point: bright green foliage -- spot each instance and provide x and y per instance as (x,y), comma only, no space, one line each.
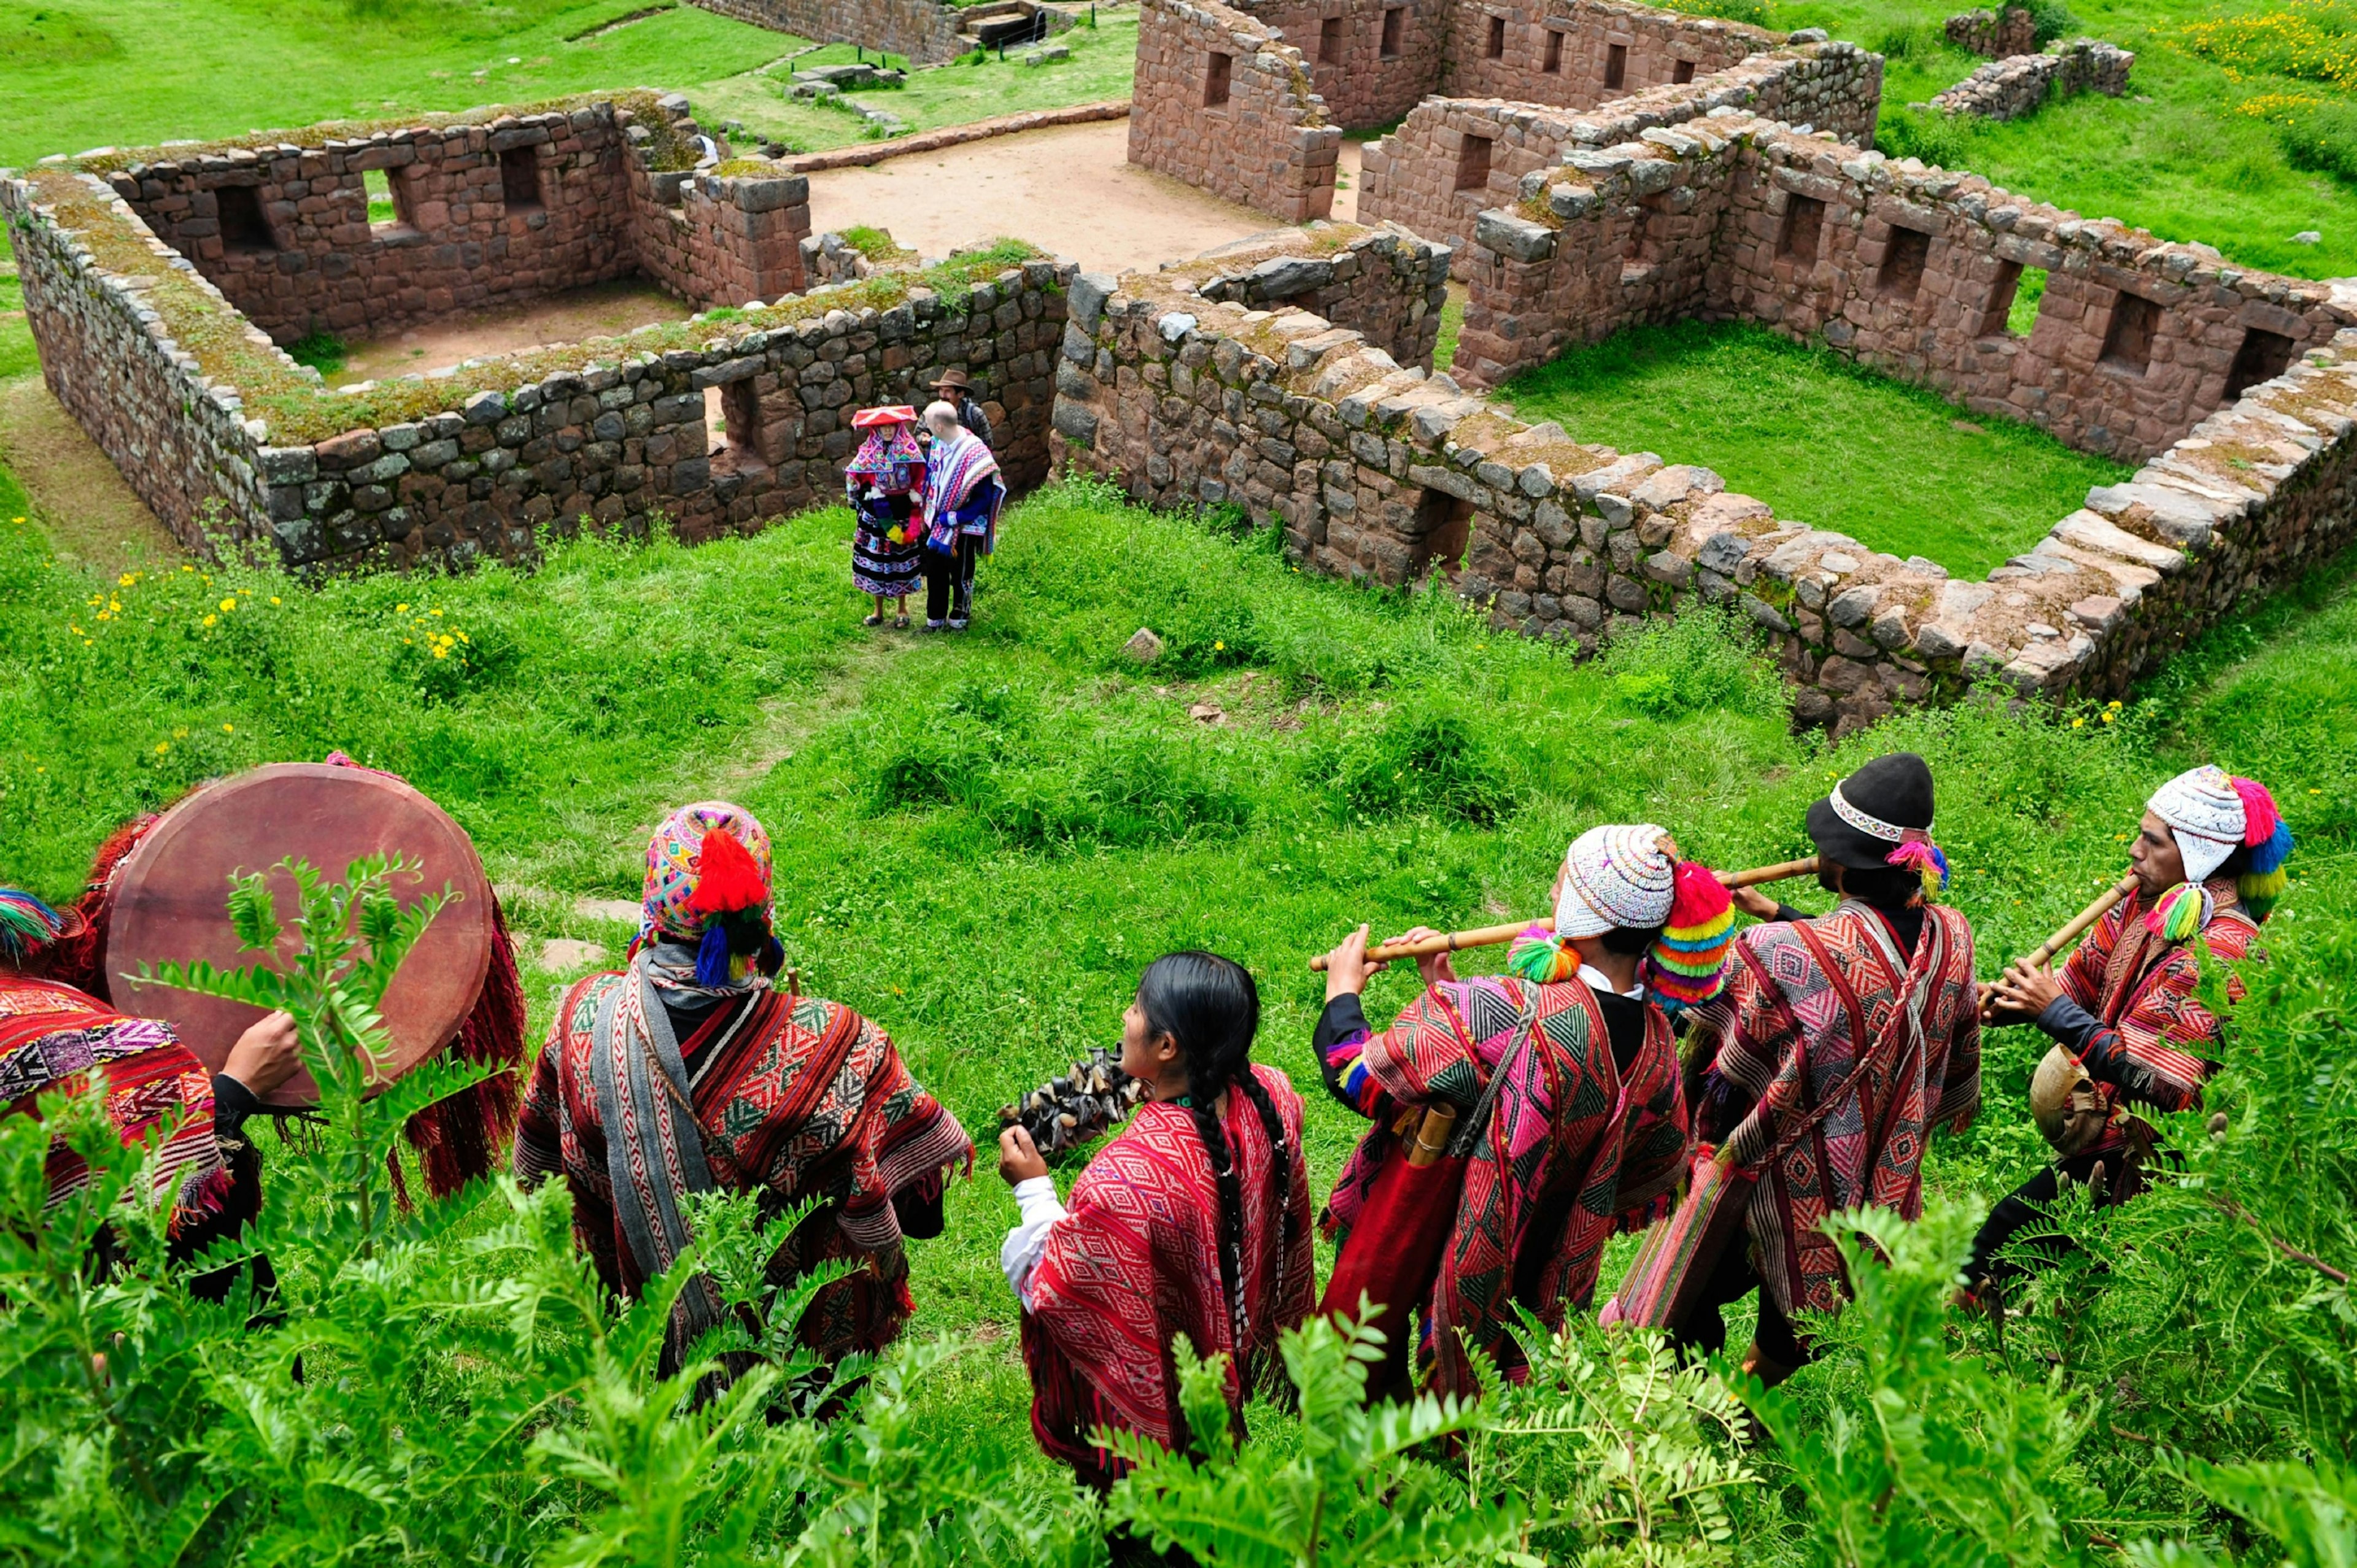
(1349,1489)
(1819,437)
(1920,1455)
(1630,1458)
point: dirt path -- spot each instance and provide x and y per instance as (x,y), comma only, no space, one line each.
(81,501)
(599,311)
(1070,190)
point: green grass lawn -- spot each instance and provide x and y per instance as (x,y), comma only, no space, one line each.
(1819,439)
(1102,62)
(2174,155)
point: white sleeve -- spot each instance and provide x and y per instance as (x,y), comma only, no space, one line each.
(1019,1253)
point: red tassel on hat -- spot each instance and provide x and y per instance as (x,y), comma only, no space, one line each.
(728,877)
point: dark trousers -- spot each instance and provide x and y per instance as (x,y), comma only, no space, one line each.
(949,580)
(1703,1333)
(2023,1210)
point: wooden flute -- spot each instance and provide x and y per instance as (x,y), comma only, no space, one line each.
(1489,936)
(2077,926)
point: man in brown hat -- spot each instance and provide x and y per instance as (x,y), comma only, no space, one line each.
(952,386)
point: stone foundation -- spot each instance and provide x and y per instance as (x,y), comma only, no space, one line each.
(1220,103)
(1984,32)
(1386,472)
(924,30)
(1424,174)
(1907,268)
(2022,84)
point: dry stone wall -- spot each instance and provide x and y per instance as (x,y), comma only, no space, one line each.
(1424,175)
(2022,84)
(722,240)
(1911,269)
(1383,283)
(1224,104)
(924,30)
(1996,37)
(1586,52)
(1370,61)
(1389,473)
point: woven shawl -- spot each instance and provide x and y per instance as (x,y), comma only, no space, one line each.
(1566,1123)
(1784,1034)
(1135,1262)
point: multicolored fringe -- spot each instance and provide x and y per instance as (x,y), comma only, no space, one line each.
(1687,965)
(2268,842)
(27,926)
(1538,957)
(2179,914)
(1923,857)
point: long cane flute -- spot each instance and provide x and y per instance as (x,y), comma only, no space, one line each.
(2102,905)
(1491,936)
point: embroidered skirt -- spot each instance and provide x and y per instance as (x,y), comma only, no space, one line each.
(878,566)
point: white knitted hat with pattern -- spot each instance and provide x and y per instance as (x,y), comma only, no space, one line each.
(1618,875)
(2205,814)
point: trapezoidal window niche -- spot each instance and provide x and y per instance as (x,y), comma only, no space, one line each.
(1394,25)
(519,181)
(2262,357)
(1904,256)
(1329,41)
(244,230)
(1802,229)
(1216,74)
(1496,48)
(1553,65)
(2128,339)
(1616,66)
(1473,164)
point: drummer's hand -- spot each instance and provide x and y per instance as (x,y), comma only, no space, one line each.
(1752,902)
(1348,969)
(1435,967)
(266,1055)
(1019,1157)
(2025,991)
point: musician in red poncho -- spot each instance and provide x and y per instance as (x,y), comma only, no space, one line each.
(1194,1220)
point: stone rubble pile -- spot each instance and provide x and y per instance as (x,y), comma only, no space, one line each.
(2017,85)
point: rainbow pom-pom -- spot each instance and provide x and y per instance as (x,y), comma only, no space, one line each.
(2267,844)
(27,926)
(2180,913)
(1688,962)
(1536,956)
(1923,857)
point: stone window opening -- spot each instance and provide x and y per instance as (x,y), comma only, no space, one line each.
(1616,65)
(1444,527)
(1999,312)
(244,230)
(2262,357)
(1804,223)
(1903,259)
(388,202)
(1215,80)
(1473,162)
(520,180)
(1497,48)
(2127,339)
(1329,41)
(732,417)
(1642,251)
(1682,72)
(1554,66)
(1393,20)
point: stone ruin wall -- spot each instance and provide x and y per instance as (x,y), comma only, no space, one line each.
(1380,281)
(924,30)
(1361,84)
(1650,47)
(621,436)
(1265,143)
(2019,85)
(598,212)
(618,440)
(1907,268)
(1417,175)
(1986,33)
(1382,471)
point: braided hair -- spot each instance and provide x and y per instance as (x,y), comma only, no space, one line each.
(1211,1008)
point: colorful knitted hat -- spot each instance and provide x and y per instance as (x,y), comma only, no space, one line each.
(890,414)
(28,924)
(1615,875)
(704,862)
(2212,814)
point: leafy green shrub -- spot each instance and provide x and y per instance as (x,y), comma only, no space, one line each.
(1908,41)
(1936,138)
(1697,660)
(2049,19)
(1427,756)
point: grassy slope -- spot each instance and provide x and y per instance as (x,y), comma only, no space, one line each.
(984,838)
(1103,61)
(1818,438)
(2183,163)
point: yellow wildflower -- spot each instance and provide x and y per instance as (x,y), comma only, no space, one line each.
(440,652)
(212,620)
(162,746)
(274,599)
(229,729)
(229,604)
(400,609)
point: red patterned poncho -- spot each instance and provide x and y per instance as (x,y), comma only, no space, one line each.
(2154,1036)
(1785,1033)
(1576,1149)
(805,1099)
(53,1037)
(1135,1262)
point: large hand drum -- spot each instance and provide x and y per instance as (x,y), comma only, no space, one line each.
(172,902)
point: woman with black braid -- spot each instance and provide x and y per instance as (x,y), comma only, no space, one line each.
(1193,1221)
